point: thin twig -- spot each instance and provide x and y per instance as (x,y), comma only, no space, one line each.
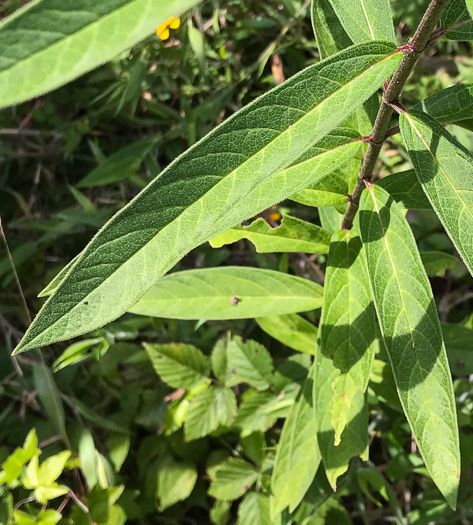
(393,89)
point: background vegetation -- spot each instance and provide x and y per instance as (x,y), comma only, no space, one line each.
(130,443)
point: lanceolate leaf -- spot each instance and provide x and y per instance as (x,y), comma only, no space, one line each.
(297,454)
(348,324)
(238,170)
(354,440)
(231,292)
(331,37)
(365,20)
(293,235)
(453,105)
(412,335)
(330,191)
(62,39)
(445,171)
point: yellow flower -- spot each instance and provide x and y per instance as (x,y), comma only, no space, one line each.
(171,23)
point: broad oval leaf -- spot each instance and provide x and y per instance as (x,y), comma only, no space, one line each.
(50,42)
(230,292)
(348,325)
(365,20)
(232,479)
(238,170)
(445,170)
(411,331)
(293,235)
(297,453)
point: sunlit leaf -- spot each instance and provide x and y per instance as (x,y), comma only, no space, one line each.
(195,199)
(411,331)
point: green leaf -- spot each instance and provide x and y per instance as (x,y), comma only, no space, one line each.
(404,188)
(62,40)
(51,399)
(297,453)
(453,105)
(250,363)
(293,235)
(220,512)
(211,408)
(88,458)
(354,440)
(195,199)
(120,165)
(232,479)
(254,510)
(330,191)
(292,330)
(230,292)
(365,20)
(176,480)
(348,325)
(329,32)
(445,170)
(469,5)
(455,12)
(81,351)
(412,335)
(459,344)
(435,263)
(179,365)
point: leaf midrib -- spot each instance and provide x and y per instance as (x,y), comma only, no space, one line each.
(177,258)
(427,400)
(68,37)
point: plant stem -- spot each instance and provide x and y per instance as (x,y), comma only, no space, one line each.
(393,89)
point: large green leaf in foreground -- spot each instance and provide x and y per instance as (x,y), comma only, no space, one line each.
(231,292)
(50,42)
(238,170)
(412,335)
(445,170)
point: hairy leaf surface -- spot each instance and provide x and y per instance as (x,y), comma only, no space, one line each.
(50,42)
(411,331)
(229,292)
(293,235)
(445,170)
(238,170)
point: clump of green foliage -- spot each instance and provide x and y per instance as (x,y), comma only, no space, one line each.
(311,363)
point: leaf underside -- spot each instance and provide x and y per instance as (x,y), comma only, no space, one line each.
(241,168)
